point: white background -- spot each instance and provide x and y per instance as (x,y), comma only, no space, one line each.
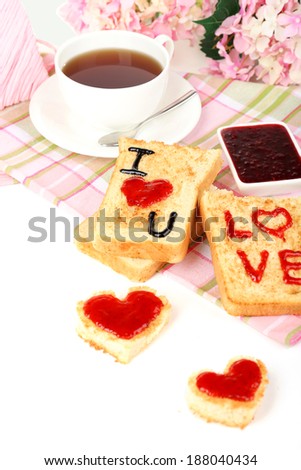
(60,398)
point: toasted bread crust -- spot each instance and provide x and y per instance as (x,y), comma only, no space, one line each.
(137,270)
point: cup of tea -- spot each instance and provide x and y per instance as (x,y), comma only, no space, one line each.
(113,78)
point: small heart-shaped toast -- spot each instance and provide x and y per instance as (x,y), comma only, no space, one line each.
(122,327)
(230,398)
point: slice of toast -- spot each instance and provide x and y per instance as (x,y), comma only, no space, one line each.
(230,398)
(137,270)
(256,251)
(147,210)
(116,327)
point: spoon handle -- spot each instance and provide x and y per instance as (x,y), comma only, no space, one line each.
(111,139)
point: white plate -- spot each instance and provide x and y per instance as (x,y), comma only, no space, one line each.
(55,121)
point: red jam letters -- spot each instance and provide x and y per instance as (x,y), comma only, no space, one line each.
(287,266)
(232,232)
(255,274)
(279,231)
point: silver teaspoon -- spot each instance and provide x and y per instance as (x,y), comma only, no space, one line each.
(111,139)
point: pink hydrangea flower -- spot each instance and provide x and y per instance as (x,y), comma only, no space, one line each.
(208,7)
(262,41)
(291,22)
(73,14)
(151,17)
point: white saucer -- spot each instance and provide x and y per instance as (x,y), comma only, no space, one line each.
(55,121)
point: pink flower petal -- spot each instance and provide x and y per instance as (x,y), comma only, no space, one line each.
(241,44)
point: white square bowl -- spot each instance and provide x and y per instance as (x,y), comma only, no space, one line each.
(265,188)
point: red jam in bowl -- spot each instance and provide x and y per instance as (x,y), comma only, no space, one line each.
(262,153)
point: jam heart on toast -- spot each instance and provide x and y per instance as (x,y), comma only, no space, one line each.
(240,382)
(280,229)
(124,318)
(230,398)
(139,192)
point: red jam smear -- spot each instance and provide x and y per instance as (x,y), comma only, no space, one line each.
(232,232)
(262,153)
(124,318)
(239,383)
(139,192)
(287,266)
(255,274)
(279,231)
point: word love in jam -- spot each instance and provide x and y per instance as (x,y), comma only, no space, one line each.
(288,258)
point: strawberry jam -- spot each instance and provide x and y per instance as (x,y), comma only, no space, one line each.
(262,153)
(239,383)
(278,231)
(232,232)
(255,274)
(139,192)
(124,318)
(289,262)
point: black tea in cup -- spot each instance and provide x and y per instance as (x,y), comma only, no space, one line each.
(112,68)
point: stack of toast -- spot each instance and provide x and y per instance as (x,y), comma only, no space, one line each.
(149,209)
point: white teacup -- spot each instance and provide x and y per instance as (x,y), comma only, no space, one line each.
(116,108)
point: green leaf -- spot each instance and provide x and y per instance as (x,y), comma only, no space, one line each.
(223,10)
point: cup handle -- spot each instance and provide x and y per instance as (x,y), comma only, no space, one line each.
(166,42)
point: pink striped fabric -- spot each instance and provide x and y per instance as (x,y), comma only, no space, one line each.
(21,66)
(78,182)
(6,180)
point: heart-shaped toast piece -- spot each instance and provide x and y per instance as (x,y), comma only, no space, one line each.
(230,398)
(122,327)
(139,192)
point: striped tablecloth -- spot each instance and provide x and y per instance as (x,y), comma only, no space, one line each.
(78,182)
